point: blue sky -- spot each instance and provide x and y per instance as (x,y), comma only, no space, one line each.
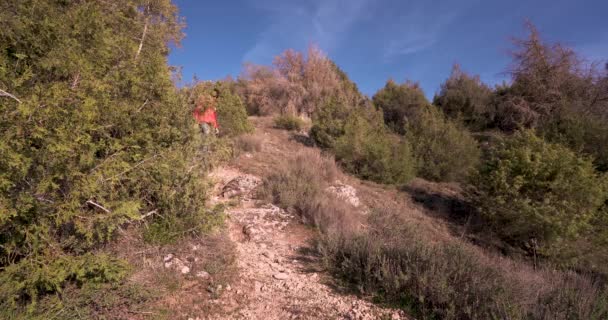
(374,40)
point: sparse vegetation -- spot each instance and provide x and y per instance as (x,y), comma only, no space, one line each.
(395,263)
(301,185)
(249,143)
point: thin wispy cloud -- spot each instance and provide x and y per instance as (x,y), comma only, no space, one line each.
(420,27)
(296,24)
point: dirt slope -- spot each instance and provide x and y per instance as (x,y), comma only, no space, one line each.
(278,277)
(263,266)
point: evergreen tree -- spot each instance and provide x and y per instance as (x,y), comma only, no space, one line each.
(93,135)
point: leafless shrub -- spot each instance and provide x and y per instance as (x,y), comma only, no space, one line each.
(295,85)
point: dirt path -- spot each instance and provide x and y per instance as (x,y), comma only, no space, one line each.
(278,275)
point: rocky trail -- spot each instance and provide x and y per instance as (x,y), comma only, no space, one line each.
(277,278)
(275,273)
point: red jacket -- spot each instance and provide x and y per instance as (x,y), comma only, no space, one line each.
(209,116)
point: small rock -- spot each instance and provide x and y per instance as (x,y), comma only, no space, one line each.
(228,287)
(168,265)
(269,255)
(168,258)
(202,274)
(281,276)
(185,270)
(258,286)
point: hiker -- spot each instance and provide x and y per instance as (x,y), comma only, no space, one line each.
(207,119)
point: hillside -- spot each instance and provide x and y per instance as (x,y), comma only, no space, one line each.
(286,192)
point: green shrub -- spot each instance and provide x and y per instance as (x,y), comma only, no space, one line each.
(400,103)
(392,262)
(584,134)
(465,98)
(32,277)
(231,114)
(328,122)
(532,191)
(97,138)
(287,122)
(368,151)
(444,151)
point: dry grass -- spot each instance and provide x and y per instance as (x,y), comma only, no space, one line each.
(300,185)
(406,256)
(394,262)
(248,143)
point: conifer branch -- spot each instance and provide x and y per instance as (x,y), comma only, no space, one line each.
(6,94)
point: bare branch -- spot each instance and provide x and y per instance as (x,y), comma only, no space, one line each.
(6,94)
(149,214)
(143,37)
(98,206)
(75,82)
(143,105)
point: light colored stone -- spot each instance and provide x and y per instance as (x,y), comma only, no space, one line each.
(168,257)
(185,270)
(257,286)
(281,276)
(203,274)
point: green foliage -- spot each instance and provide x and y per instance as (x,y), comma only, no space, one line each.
(99,138)
(466,99)
(368,151)
(394,263)
(32,277)
(584,134)
(170,229)
(400,103)
(531,191)
(288,122)
(328,123)
(89,301)
(444,151)
(231,114)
